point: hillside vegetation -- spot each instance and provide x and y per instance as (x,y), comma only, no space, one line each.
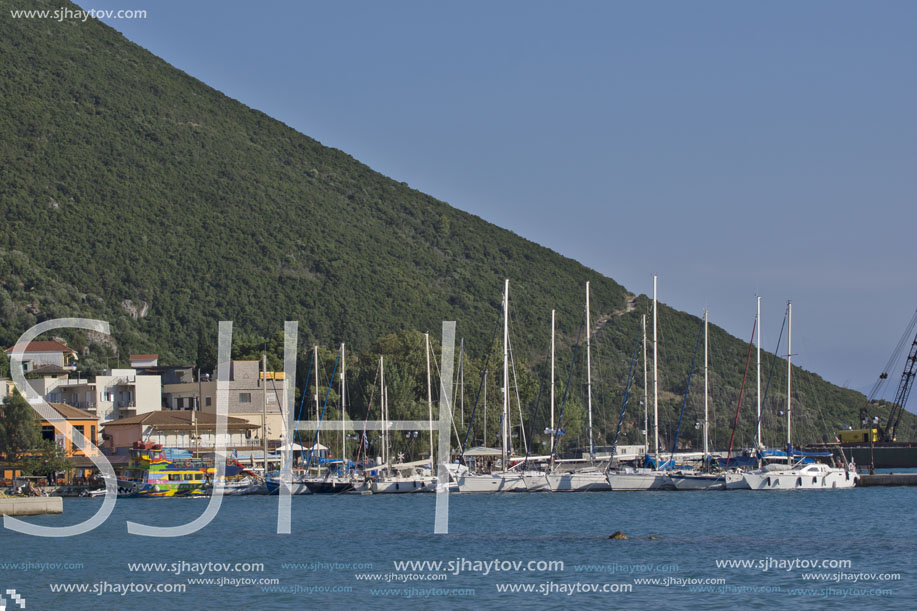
(134,193)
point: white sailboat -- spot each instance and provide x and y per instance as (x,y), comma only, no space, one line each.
(799,475)
(402,478)
(631,478)
(536,480)
(490,482)
(588,479)
(693,480)
(504,480)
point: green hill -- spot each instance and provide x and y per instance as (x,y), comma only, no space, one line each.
(134,193)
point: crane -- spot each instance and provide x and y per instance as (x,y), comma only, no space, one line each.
(896,408)
(904,390)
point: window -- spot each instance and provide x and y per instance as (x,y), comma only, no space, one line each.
(92,434)
(245,397)
(80,429)
(47,432)
(207,401)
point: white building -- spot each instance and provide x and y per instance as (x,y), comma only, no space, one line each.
(119,393)
(40,353)
(139,361)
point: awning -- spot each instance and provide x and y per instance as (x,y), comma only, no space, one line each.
(295,447)
(482,451)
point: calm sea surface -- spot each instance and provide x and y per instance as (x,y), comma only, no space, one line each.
(344,549)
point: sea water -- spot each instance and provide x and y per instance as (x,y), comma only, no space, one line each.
(684,550)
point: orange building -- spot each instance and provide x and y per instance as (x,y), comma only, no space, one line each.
(75,420)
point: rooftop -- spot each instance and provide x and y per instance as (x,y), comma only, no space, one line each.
(180,420)
(42,346)
(71,413)
(48,370)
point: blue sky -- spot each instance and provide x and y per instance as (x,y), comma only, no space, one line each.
(732,148)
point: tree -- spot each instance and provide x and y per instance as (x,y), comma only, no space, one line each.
(19,431)
(206,353)
(46,459)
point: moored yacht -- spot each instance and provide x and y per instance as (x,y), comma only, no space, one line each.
(801,475)
(813,476)
(639,478)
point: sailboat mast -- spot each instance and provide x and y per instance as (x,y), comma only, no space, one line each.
(758,342)
(655,376)
(317,416)
(429,397)
(706,414)
(382,409)
(789,373)
(646,401)
(589,376)
(505,430)
(553,433)
(343,414)
(264,408)
(485,408)
(462,380)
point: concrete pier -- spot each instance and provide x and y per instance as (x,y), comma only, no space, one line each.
(31,506)
(888,479)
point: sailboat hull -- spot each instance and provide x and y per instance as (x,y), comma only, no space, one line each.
(403,485)
(492,482)
(635,481)
(329,486)
(736,481)
(536,481)
(297,486)
(578,481)
(698,481)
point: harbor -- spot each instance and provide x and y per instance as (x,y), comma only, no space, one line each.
(457,306)
(366,455)
(347,562)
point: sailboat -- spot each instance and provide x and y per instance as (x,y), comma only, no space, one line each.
(586,479)
(692,480)
(406,478)
(298,478)
(645,478)
(504,480)
(799,475)
(536,480)
(332,482)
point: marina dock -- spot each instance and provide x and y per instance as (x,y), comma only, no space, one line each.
(31,506)
(888,479)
